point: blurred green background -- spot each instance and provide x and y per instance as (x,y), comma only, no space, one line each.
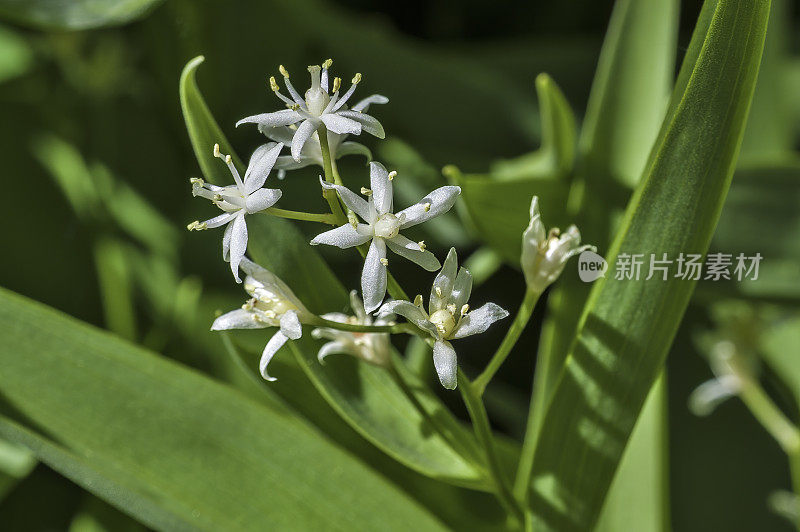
(94,114)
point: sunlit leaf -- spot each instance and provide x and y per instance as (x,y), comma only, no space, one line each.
(75,14)
(627,327)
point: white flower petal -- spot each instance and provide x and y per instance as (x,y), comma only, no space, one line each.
(341,125)
(275,343)
(358,307)
(222,219)
(357,204)
(332,348)
(368,123)
(381,187)
(353,148)
(409,311)
(237,319)
(343,237)
(364,104)
(284,117)
(290,325)
(238,244)
(305,130)
(462,288)
(373,277)
(226,243)
(445,362)
(261,199)
(479,320)
(411,250)
(282,134)
(437,202)
(287,162)
(260,165)
(443,283)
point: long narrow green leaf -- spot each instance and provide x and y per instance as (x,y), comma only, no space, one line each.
(169,446)
(628,326)
(365,396)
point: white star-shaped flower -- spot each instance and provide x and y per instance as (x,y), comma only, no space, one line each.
(370,347)
(545,255)
(448,316)
(245,197)
(311,153)
(383,227)
(272,304)
(319,107)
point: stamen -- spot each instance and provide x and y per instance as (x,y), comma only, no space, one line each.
(438,291)
(392,175)
(227,159)
(216,151)
(426,206)
(197,226)
(273,84)
(337,84)
(418,300)
(385,261)
(451,308)
(366,191)
(464,310)
(351,217)
(357,78)
(196,181)
(283,71)
(421,245)
(327,63)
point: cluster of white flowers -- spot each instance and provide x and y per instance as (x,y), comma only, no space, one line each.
(324,111)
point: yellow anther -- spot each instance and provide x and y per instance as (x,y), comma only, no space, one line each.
(294,107)
(357,78)
(426,206)
(283,71)
(421,245)
(273,84)
(196,181)
(392,175)
(337,84)
(438,291)
(216,150)
(418,300)
(227,159)
(464,310)
(385,261)
(351,217)
(216,197)
(327,63)
(366,191)
(451,308)
(196,226)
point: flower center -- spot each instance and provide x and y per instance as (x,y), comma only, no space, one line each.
(387,226)
(316,97)
(444,321)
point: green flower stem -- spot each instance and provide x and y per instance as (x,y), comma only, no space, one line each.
(329,219)
(770,416)
(520,321)
(330,195)
(397,328)
(483,431)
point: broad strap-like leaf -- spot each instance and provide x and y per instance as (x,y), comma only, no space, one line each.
(627,327)
(171,447)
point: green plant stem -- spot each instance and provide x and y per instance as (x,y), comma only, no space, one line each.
(483,432)
(329,219)
(330,195)
(398,328)
(520,321)
(770,416)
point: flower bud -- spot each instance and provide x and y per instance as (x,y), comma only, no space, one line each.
(544,255)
